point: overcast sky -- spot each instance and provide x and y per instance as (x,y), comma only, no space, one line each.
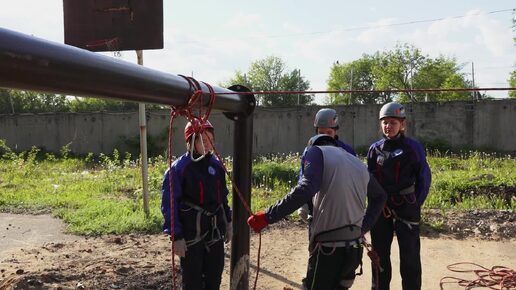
(213,39)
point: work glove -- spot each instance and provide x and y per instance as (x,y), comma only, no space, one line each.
(229,232)
(303,213)
(258,221)
(180,248)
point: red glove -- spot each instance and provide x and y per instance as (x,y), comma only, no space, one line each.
(257,221)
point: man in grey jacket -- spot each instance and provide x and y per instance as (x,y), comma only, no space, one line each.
(337,183)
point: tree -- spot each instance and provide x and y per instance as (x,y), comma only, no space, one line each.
(356,75)
(403,68)
(79,104)
(512,83)
(441,73)
(14,101)
(271,74)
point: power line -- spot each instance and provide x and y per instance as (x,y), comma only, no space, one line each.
(368,91)
(391,25)
(365,27)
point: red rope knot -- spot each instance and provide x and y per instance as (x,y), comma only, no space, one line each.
(196,100)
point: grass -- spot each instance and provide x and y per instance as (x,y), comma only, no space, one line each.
(102,195)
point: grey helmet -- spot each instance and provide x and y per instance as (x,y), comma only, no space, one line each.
(393,110)
(326,118)
(322,140)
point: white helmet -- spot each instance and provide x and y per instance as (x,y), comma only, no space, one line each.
(393,110)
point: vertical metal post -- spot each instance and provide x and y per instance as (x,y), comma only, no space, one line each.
(143,147)
(242,170)
(473,80)
(298,84)
(351,87)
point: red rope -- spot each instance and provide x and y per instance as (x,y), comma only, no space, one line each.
(197,121)
(367,91)
(498,277)
(241,197)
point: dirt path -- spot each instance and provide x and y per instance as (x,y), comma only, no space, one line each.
(21,230)
(143,261)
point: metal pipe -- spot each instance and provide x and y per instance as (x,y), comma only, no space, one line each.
(31,63)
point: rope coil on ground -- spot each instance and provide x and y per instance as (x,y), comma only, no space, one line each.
(497,277)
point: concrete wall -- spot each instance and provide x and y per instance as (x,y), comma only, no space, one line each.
(482,125)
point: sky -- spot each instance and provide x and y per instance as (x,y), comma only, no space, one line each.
(211,40)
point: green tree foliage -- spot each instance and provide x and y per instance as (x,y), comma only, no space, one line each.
(356,75)
(403,68)
(271,74)
(14,101)
(512,83)
(93,104)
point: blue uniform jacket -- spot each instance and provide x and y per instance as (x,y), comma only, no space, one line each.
(398,164)
(201,183)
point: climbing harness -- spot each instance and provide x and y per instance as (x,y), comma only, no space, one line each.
(213,231)
(388,212)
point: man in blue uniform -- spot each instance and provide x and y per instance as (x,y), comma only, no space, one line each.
(202,217)
(337,183)
(326,122)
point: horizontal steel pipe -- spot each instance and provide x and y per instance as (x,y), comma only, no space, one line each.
(31,63)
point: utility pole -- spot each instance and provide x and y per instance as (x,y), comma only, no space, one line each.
(11,101)
(351,87)
(143,147)
(298,84)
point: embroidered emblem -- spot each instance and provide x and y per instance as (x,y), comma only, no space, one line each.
(211,170)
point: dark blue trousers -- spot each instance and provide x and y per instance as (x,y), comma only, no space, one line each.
(408,241)
(329,266)
(202,267)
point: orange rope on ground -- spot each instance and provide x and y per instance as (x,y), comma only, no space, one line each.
(498,277)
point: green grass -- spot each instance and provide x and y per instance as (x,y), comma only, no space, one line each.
(102,195)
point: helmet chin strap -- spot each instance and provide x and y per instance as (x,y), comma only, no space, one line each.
(393,138)
(192,146)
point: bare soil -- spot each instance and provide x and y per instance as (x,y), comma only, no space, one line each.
(36,254)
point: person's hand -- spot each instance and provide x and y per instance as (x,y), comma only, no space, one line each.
(180,248)
(229,232)
(303,213)
(258,221)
